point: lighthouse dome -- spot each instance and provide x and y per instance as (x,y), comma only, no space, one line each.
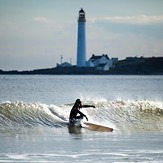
(81,11)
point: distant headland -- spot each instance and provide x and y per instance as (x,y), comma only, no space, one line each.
(128,66)
(98,64)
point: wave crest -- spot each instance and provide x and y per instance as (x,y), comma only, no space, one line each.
(27,114)
(124,116)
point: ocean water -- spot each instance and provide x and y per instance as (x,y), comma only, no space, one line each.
(34,113)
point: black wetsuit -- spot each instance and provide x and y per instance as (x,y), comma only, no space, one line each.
(75,111)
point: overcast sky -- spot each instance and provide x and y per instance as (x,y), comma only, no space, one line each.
(35,33)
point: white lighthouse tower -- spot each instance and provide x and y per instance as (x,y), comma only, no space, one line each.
(81,45)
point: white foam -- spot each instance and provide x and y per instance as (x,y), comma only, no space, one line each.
(17,156)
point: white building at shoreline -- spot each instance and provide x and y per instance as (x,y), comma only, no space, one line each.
(101,62)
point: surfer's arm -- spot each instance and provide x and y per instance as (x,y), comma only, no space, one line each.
(88,106)
(83,115)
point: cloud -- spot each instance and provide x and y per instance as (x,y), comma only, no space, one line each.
(43,20)
(139,20)
(148,26)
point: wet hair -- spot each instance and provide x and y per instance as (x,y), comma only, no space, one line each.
(78,101)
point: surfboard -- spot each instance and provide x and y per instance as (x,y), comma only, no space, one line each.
(96,127)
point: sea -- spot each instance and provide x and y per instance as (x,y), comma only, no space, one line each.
(34,112)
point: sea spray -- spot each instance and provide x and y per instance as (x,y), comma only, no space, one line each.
(125,116)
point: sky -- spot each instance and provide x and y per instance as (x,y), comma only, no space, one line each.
(34,34)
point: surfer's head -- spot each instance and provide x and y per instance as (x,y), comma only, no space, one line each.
(78,102)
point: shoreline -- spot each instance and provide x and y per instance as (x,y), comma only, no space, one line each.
(140,66)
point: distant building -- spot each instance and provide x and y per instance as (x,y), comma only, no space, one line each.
(101,62)
(64,64)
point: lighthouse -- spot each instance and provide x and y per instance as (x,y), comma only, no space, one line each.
(81,43)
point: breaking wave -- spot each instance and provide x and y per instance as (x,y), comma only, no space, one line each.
(121,115)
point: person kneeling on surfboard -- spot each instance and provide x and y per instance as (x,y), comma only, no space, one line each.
(76,110)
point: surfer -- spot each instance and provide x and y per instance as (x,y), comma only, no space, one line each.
(76,110)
